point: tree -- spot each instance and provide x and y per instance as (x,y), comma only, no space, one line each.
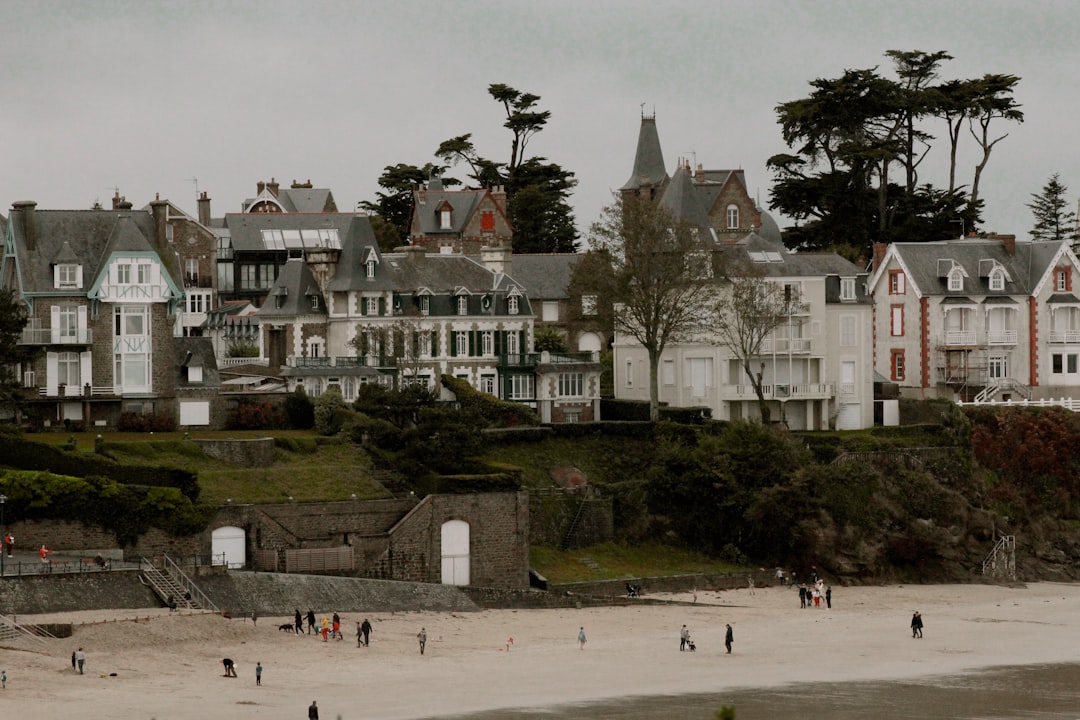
(850,132)
(1052,220)
(537,191)
(748,309)
(14,356)
(393,208)
(658,278)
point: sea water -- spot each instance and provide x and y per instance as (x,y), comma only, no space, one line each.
(1043,692)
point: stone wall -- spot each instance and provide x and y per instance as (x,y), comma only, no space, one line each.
(552,512)
(256,452)
(87,591)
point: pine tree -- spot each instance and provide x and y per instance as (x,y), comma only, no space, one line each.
(1052,221)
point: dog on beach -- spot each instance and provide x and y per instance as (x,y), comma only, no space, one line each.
(286,627)
(690,645)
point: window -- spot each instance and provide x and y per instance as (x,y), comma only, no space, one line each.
(425,304)
(194,374)
(897,364)
(792,292)
(521,387)
(195,303)
(487,384)
(68,369)
(369,269)
(247,277)
(142,272)
(487,340)
(267,274)
(550,311)
(571,385)
(732,216)
(371,306)
(314,301)
(123,274)
(191,271)
(462,305)
(67,276)
(667,372)
(699,374)
(847,288)
(69,324)
(513,347)
(997,280)
(512,305)
(461,343)
(847,331)
(896,282)
(896,320)
(1062,280)
(588,305)
(629,373)
(132,343)
(444,219)
(956,280)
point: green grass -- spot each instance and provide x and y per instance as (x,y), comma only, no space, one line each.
(619,561)
(602,459)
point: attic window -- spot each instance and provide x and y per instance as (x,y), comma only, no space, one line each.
(462,305)
(847,288)
(68,276)
(314,302)
(194,374)
(487,222)
(732,216)
(370,269)
(425,305)
(956,279)
(512,305)
(445,212)
(997,279)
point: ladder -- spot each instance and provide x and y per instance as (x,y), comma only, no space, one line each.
(1001,562)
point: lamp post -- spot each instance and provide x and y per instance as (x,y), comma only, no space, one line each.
(3,529)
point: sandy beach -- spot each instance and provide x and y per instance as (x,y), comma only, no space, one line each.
(168,666)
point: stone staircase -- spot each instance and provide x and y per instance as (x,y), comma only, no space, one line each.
(13,631)
(172,585)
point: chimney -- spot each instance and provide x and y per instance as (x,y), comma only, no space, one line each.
(272,186)
(879,254)
(414,254)
(1009,243)
(26,208)
(123,204)
(496,259)
(116,200)
(204,209)
(160,210)
(259,187)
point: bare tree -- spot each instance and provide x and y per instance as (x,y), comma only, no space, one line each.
(657,277)
(748,309)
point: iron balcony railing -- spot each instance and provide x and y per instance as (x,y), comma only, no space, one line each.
(56,336)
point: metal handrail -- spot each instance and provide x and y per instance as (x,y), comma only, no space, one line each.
(187,583)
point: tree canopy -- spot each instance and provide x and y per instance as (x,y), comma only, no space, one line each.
(857,142)
(1053,221)
(393,208)
(13,319)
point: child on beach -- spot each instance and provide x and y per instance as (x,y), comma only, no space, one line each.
(581,639)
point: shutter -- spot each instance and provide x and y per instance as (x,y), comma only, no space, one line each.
(521,342)
(472,344)
(382,306)
(56,276)
(416,344)
(81,332)
(399,343)
(436,351)
(55,325)
(499,342)
(363,305)
(453,344)
(85,375)
(52,370)
(78,275)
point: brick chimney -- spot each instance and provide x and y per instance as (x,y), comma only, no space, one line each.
(879,254)
(496,259)
(1009,243)
(204,209)
(26,209)
(259,187)
(272,186)
(160,210)
(116,200)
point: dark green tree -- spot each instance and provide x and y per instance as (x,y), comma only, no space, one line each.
(1053,219)
(537,191)
(392,208)
(14,356)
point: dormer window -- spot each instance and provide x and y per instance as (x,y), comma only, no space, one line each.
(462,305)
(732,216)
(847,288)
(68,276)
(314,302)
(956,280)
(997,279)
(194,374)
(369,269)
(445,213)
(512,305)
(425,305)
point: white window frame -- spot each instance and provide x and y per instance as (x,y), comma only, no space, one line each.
(68,369)
(371,306)
(847,288)
(461,342)
(445,219)
(997,279)
(667,372)
(956,280)
(512,305)
(67,276)
(370,269)
(425,305)
(732,216)
(571,385)
(487,384)
(462,305)
(487,343)
(1062,281)
(522,387)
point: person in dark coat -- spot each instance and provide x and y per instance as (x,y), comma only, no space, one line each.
(802,596)
(311,622)
(828,597)
(729,637)
(916,625)
(365,628)
(313,711)
(298,619)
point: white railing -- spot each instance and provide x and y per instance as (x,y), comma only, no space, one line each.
(1065,403)
(960,337)
(1069,337)
(1002,337)
(54,336)
(785,345)
(234,361)
(780,391)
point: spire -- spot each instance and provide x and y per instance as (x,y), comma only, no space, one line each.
(649,160)
(680,198)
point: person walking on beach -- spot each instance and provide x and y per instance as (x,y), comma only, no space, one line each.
(422,637)
(684,635)
(311,622)
(581,639)
(729,637)
(230,667)
(325,628)
(254,617)
(80,659)
(73,666)
(916,625)
(828,597)
(802,596)
(3,679)
(337,626)
(313,711)
(299,620)
(365,628)
(258,673)
(816,594)
(780,576)
(750,584)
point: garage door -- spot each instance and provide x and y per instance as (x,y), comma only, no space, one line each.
(455,552)
(229,546)
(195,413)
(849,417)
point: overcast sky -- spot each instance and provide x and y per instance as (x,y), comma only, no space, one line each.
(147,96)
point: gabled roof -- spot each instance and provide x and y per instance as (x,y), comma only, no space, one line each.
(427,203)
(681,200)
(196,352)
(246,229)
(1025,269)
(295,285)
(90,236)
(295,200)
(649,159)
(774,260)
(545,276)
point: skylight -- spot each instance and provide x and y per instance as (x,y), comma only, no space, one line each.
(307,238)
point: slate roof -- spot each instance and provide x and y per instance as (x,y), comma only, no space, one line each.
(545,276)
(299,200)
(295,284)
(682,201)
(1024,269)
(245,229)
(442,273)
(427,203)
(196,352)
(86,237)
(649,166)
(803,264)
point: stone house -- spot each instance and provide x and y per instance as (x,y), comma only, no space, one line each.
(458,221)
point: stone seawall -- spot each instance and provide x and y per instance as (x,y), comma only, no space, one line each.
(118,589)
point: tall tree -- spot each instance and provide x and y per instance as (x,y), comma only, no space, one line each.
(537,191)
(658,279)
(394,206)
(14,356)
(991,100)
(748,309)
(1053,221)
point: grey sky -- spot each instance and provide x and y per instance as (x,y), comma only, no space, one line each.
(145,96)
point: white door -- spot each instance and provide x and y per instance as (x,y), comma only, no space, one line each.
(848,418)
(228,546)
(455,552)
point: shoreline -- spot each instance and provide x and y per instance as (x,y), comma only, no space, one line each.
(169,667)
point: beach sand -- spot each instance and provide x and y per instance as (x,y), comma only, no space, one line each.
(168,665)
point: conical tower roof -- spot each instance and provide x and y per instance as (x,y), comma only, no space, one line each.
(649,160)
(681,199)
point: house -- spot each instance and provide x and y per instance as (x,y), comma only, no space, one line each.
(815,369)
(297,198)
(978,319)
(458,221)
(104,289)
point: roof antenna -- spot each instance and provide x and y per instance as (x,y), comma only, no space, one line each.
(196,181)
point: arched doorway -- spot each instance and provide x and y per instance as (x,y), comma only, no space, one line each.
(455,552)
(229,546)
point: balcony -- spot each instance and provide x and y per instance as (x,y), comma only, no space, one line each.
(780,391)
(783,346)
(50,336)
(1065,337)
(960,338)
(1001,337)
(534,359)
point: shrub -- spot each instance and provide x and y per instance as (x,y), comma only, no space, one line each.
(256,415)
(331,412)
(241,349)
(145,422)
(299,410)
(500,413)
